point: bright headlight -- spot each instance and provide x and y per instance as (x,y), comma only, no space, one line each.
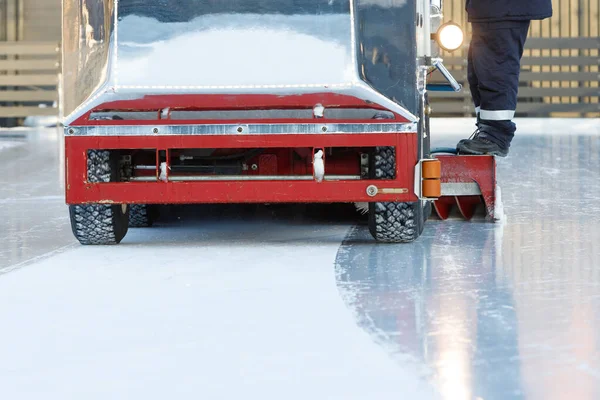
(450,36)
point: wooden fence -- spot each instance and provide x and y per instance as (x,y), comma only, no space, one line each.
(29,79)
(552,83)
(560,64)
(559,78)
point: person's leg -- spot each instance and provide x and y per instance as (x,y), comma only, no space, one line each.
(496,58)
(472,78)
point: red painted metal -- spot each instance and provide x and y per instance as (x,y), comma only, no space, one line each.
(443,206)
(468,169)
(150,142)
(228,102)
(467,205)
(80,191)
(267,164)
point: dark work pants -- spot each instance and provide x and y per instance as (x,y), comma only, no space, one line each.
(493,72)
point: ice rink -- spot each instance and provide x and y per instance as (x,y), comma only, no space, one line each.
(257,302)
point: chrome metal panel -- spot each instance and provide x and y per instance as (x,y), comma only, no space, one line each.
(344,114)
(232,129)
(439,64)
(124,50)
(386,36)
(460,189)
(234,43)
(87,42)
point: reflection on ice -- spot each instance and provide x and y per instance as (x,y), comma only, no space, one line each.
(33,215)
(430,299)
(497,311)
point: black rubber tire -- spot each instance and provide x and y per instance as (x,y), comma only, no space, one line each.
(392,222)
(141,216)
(100,224)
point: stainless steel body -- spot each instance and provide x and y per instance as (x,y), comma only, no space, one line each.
(236,129)
(126,49)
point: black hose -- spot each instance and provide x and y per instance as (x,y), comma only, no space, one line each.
(248,155)
(447,150)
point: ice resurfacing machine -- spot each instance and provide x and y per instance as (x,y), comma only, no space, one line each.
(258,101)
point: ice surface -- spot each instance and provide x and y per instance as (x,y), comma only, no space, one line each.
(498,311)
(9,145)
(221,311)
(444,127)
(230,305)
(33,217)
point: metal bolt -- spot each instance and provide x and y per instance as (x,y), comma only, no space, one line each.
(254,167)
(372,191)
(155,130)
(324,129)
(364,156)
(240,129)
(71,131)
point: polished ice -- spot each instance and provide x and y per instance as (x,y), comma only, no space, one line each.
(498,311)
(211,307)
(33,217)
(225,302)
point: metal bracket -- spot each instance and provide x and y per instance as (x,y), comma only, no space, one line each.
(439,64)
(373,190)
(364,165)
(419,180)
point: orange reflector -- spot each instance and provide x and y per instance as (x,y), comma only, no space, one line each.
(431,169)
(432,188)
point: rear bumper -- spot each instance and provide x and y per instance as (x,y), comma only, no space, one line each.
(80,191)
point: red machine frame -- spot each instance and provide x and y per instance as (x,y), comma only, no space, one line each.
(80,191)
(477,171)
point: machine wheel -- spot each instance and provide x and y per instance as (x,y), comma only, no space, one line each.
(100,224)
(141,216)
(393,222)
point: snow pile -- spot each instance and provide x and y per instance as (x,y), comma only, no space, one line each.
(319,166)
(233,50)
(499,215)
(163,171)
(9,145)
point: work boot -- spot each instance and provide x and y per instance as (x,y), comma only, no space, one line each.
(482,143)
(481,146)
(474,134)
